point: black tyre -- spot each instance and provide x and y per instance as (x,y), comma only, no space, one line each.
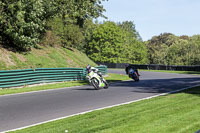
(136,77)
(95,83)
(106,84)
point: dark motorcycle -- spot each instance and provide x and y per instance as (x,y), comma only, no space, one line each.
(134,75)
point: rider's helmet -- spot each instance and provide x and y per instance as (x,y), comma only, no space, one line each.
(88,68)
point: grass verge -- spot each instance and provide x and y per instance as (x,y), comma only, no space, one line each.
(167,71)
(178,113)
(179,72)
(110,78)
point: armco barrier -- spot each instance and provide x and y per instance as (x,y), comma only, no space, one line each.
(14,78)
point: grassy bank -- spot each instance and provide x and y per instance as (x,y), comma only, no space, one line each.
(110,78)
(177,113)
(43,57)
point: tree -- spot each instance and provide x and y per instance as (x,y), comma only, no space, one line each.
(169,49)
(135,53)
(77,12)
(177,53)
(135,50)
(106,43)
(129,26)
(22,22)
(70,35)
(157,47)
(194,49)
(88,29)
(72,19)
(110,42)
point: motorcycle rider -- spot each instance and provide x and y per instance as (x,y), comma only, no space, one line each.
(128,67)
(89,69)
(95,78)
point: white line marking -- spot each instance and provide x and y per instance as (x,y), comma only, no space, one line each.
(162,94)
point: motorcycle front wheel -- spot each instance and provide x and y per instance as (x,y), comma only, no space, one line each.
(95,83)
(106,84)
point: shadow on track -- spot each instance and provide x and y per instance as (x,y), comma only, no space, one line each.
(153,85)
(87,89)
(158,85)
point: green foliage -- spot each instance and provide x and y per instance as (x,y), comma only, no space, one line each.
(129,27)
(72,16)
(184,53)
(22,22)
(70,35)
(88,28)
(135,53)
(134,50)
(176,53)
(157,47)
(50,39)
(79,11)
(106,43)
(169,49)
(73,35)
(116,43)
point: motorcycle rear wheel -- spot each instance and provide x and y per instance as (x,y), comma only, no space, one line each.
(136,77)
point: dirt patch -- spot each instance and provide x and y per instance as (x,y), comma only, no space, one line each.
(5,56)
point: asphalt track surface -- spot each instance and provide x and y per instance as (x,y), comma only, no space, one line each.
(21,110)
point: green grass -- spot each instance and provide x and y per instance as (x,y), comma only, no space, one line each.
(110,78)
(174,113)
(41,87)
(179,72)
(43,57)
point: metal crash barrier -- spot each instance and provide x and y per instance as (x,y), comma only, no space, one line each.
(15,78)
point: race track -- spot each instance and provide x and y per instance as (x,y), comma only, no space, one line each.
(31,108)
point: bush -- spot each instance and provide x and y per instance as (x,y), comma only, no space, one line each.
(50,39)
(22,22)
(70,35)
